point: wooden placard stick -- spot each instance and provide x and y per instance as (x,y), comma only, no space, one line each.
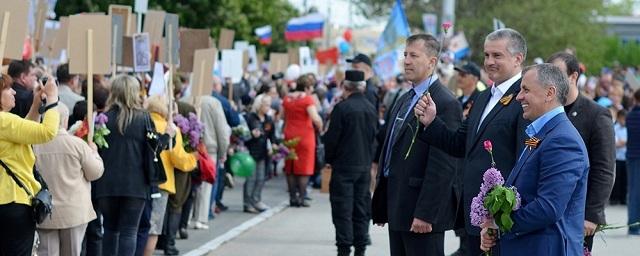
(198,97)
(170,94)
(90,84)
(113,51)
(3,37)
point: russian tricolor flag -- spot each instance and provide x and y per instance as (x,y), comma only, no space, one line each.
(264,34)
(304,28)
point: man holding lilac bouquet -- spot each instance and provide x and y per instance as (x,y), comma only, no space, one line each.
(550,174)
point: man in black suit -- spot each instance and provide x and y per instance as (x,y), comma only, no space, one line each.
(348,143)
(414,192)
(495,116)
(595,126)
(467,80)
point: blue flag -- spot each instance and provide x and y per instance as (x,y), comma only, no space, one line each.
(396,31)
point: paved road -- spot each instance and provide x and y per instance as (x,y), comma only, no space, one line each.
(287,231)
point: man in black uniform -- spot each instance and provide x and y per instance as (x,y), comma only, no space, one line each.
(348,146)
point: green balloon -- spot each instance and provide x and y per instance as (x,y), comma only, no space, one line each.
(242,164)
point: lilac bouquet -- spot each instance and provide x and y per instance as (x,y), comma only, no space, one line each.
(286,150)
(191,129)
(494,201)
(101,131)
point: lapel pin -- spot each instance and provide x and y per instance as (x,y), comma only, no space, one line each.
(574,113)
(506,99)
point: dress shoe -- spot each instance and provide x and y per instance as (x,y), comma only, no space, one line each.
(222,207)
(171,250)
(294,203)
(250,209)
(183,234)
(261,207)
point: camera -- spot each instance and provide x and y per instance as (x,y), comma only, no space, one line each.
(277,76)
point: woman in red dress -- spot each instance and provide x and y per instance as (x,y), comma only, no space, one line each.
(300,117)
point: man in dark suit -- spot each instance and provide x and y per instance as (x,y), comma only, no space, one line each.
(595,126)
(414,192)
(496,116)
(550,175)
(348,143)
(467,80)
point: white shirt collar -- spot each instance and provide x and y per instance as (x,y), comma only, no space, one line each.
(504,86)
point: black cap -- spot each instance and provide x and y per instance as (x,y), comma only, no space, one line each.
(360,58)
(354,76)
(469,68)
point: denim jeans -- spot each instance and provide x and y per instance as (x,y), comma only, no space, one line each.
(121,220)
(633,188)
(252,193)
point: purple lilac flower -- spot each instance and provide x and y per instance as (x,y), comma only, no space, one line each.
(101,119)
(518,203)
(478,213)
(492,177)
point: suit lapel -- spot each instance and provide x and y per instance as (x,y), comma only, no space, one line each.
(576,109)
(512,92)
(540,135)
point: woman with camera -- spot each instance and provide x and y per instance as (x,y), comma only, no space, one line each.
(16,137)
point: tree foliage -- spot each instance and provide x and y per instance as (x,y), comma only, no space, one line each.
(241,16)
(547,25)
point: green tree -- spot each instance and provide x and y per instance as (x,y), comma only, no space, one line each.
(547,25)
(241,16)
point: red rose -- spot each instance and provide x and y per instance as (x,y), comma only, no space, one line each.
(446,26)
(488,146)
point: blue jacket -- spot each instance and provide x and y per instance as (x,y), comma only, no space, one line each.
(551,180)
(633,133)
(233,119)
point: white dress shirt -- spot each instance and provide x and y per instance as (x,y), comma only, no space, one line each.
(496,94)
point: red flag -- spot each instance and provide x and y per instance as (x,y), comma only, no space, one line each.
(26,49)
(327,56)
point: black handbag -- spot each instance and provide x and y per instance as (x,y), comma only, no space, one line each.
(42,202)
(156,142)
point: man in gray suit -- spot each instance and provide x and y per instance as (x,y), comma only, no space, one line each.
(595,125)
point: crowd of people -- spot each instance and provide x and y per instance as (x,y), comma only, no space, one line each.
(421,162)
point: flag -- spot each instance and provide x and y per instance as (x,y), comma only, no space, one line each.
(498,24)
(304,28)
(459,46)
(264,34)
(386,65)
(327,56)
(396,31)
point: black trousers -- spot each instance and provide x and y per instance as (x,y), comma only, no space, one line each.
(405,243)
(92,243)
(619,191)
(350,206)
(17,229)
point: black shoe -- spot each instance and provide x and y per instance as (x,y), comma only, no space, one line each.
(293,203)
(304,203)
(222,207)
(344,250)
(183,234)
(171,250)
(359,252)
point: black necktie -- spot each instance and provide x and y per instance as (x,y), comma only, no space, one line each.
(397,125)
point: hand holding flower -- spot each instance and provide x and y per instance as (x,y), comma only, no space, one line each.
(488,235)
(426,110)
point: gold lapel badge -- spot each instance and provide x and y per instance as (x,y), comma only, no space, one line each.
(506,99)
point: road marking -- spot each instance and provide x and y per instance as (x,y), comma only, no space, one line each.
(235,232)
